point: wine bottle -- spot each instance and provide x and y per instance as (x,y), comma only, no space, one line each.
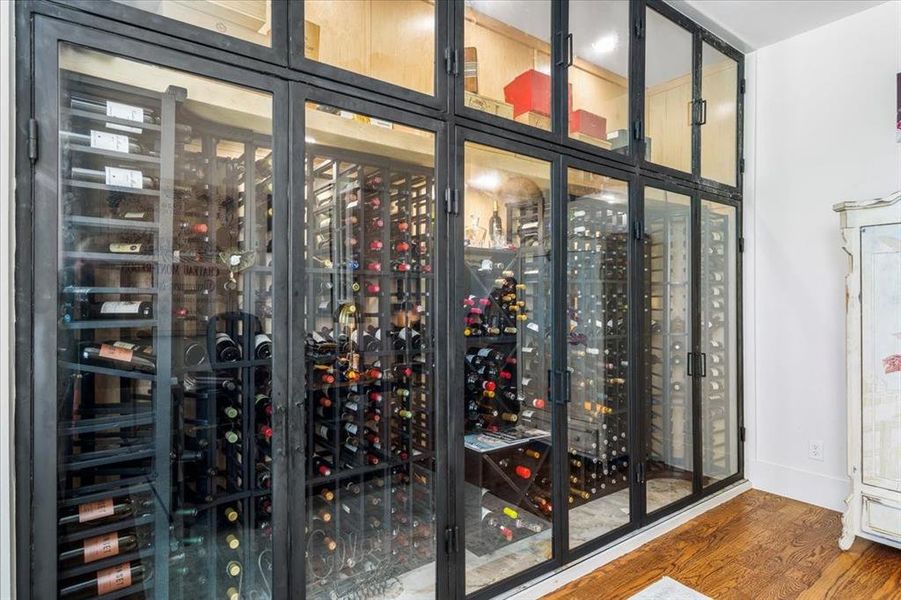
(120,355)
(262,346)
(495,228)
(115,309)
(117,110)
(115,176)
(106,581)
(98,547)
(226,348)
(103,511)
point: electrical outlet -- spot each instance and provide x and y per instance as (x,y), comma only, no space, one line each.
(815,450)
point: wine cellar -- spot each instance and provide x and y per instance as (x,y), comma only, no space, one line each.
(311,326)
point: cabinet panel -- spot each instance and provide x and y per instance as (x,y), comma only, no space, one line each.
(669,311)
(164,371)
(369,319)
(504,319)
(389,40)
(597,269)
(718,367)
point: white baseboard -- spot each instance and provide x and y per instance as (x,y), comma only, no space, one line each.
(813,488)
(557,579)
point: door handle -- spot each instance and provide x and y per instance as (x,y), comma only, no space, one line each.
(569,50)
(691,362)
(703,364)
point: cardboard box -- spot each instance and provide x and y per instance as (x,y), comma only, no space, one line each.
(588,123)
(488,105)
(530,92)
(311,40)
(534,119)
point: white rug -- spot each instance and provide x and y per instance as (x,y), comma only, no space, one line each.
(668,589)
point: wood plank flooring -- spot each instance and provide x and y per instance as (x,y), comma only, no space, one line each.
(757,546)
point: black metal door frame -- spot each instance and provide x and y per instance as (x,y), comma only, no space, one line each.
(44,201)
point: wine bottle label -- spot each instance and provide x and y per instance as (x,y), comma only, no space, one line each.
(102,546)
(113,353)
(109,141)
(533,326)
(114,578)
(91,511)
(131,307)
(129,178)
(127,112)
(134,215)
(125,248)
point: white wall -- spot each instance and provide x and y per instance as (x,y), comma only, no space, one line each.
(820,130)
(6,297)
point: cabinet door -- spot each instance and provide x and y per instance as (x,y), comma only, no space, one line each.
(718,118)
(597,353)
(598,74)
(880,278)
(160,401)
(373,43)
(372,455)
(506,58)
(668,342)
(502,324)
(718,365)
(668,93)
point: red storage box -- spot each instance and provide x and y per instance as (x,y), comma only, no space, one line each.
(588,123)
(530,92)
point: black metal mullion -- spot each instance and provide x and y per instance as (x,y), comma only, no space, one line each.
(639,304)
(695,276)
(559,329)
(696,68)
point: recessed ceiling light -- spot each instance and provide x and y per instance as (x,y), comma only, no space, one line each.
(486,181)
(606,43)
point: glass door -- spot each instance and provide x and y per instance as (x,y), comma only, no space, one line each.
(597,352)
(668,442)
(502,323)
(162,404)
(371,407)
(718,366)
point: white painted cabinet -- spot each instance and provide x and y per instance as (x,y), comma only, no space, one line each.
(871,231)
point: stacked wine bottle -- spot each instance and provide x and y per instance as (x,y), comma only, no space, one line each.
(165,350)
(370,374)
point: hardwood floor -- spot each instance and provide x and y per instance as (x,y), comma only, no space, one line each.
(758,546)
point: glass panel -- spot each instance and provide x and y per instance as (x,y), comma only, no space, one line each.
(507,59)
(668,95)
(164,364)
(505,321)
(880,267)
(668,303)
(719,341)
(370,357)
(597,354)
(599,75)
(719,131)
(391,40)
(248,20)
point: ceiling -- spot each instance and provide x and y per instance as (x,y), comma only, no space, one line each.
(753,24)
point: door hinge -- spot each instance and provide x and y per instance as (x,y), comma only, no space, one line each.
(639,473)
(451,64)
(741,244)
(33,139)
(638,230)
(451,537)
(452,201)
(741,165)
(742,433)
(639,28)
(741,86)
(636,129)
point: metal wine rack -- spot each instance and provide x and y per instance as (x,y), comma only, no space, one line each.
(168,457)
(381,515)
